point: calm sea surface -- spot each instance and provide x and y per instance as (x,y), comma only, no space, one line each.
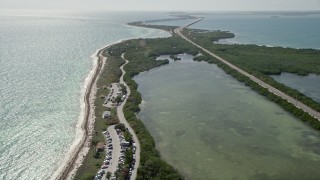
(267,29)
(44,60)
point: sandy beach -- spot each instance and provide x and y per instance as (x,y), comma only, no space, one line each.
(85,126)
(81,145)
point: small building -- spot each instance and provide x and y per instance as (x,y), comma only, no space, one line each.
(106,114)
(100,147)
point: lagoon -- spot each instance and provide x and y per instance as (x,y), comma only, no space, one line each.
(308,85)
(210,126)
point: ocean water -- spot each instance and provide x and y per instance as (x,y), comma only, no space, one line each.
(44,60)
(281,29)
(297,31)
(210,126)
(45,57)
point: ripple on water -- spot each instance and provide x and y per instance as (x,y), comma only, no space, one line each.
(44,62)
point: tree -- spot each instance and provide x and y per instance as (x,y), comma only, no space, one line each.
(118,99)
(97,155)
(108,175)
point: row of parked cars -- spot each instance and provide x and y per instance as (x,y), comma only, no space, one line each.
(125,146)
(108,157)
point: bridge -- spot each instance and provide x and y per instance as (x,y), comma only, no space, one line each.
(169,19)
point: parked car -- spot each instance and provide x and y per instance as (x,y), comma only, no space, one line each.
(104,167)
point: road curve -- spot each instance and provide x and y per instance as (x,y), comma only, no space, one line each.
(123,120)
(272,89)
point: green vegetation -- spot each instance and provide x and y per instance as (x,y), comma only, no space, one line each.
(121,127)
(262,61)
(265,92)
(142,53)
(123,172)
(142,56)
(175,57)
(151,165)
(208,36)
(140,24)
(93,161)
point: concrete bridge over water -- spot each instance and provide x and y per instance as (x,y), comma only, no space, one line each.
(169,19)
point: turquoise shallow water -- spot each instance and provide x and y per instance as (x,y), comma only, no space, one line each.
(291,30)
(286,30)
(209,126)
(44,60)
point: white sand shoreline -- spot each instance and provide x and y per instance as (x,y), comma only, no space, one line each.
(82,140)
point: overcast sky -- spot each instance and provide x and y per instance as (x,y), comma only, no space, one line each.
(166,5)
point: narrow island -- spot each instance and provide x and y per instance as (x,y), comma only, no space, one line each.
(122,61)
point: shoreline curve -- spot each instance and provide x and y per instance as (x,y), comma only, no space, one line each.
(85,126)
(81,143)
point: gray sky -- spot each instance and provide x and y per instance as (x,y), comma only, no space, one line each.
(166,5)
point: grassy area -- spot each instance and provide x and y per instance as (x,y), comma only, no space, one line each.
(110,74)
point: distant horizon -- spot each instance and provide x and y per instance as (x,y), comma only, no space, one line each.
(165,11)
(63,12)
(165,5)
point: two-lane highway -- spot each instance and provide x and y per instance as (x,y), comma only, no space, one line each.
(272,89)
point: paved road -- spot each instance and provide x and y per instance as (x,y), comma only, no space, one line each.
(123,120)
(116,149)
(272,89)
